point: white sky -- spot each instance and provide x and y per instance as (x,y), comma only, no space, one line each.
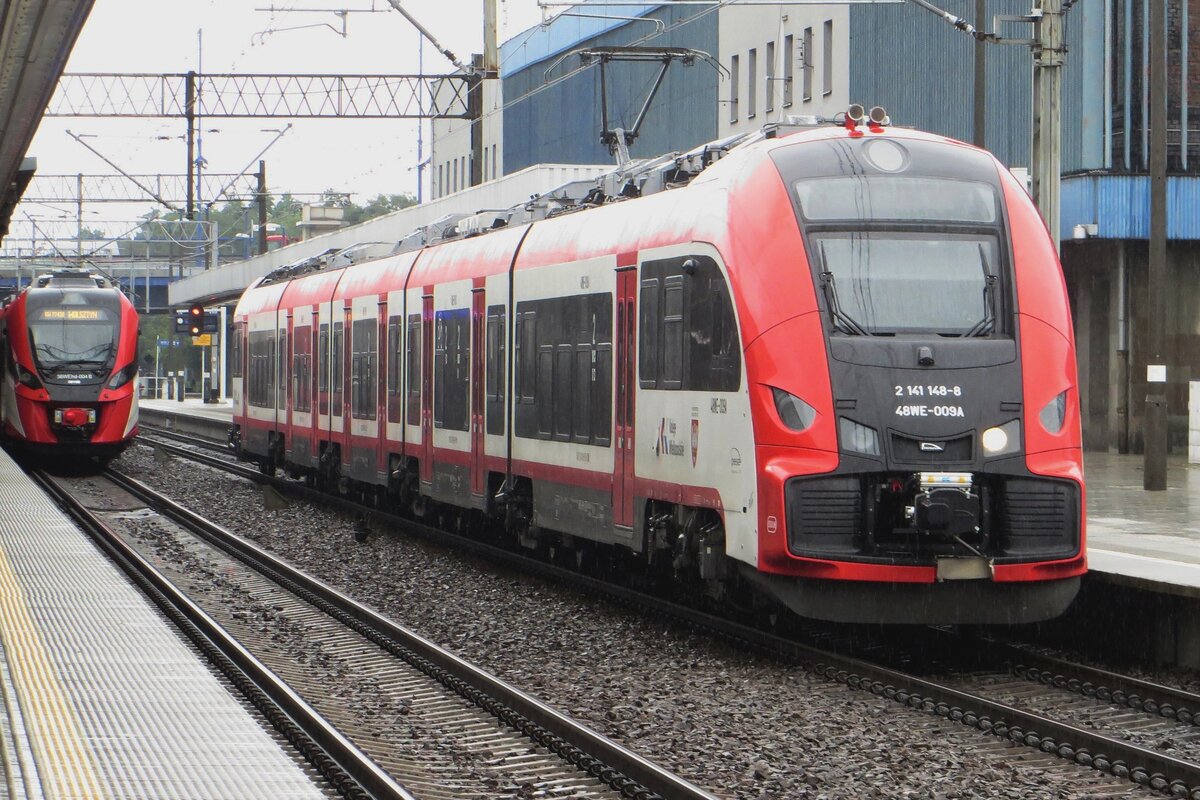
(364,157)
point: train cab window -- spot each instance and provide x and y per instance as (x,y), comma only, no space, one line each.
(413,375)
(395,357)
(494,368)
(336,370)
(302,368)
(364,386)
(451,369)
(693,344)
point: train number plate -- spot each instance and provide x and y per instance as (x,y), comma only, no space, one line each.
(963,569)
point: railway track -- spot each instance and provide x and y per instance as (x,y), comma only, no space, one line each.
(1125,728)
(423,718)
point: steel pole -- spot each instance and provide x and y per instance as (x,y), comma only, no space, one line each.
(1155,473)
(262,208)
(1047,114)
(980,127)
(189,95)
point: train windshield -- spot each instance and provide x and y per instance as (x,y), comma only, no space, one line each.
(882,283)
(72,330)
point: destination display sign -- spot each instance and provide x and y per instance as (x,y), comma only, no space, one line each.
(71,313)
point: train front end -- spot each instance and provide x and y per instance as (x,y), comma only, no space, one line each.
(922,461)
(70,346)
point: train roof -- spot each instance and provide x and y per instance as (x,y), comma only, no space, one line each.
(487,239)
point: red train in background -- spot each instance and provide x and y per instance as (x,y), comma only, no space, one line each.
(833,368)
(69,344)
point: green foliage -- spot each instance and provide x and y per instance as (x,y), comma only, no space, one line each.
(172,358)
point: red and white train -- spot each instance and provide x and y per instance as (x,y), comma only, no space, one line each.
(835,369)
(69,343)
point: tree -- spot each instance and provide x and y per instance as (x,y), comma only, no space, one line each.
(286,212)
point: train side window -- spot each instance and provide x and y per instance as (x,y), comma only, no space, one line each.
(671,373)
(451,369)
(545,390)
(269,400)
(282,363)
(563,393)
(495,370)
(337,375)
(395,355)
(440,357)
(648,328)
(413,376)
(459,401)
(323,361)
(602,367)
(581,422)
(236,367)
(262,369)
(301,382)
(528,345)
(363,384)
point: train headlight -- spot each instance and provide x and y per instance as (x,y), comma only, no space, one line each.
(1002,439)
(858,438)
(795,413)
(123,376)
(1055,413)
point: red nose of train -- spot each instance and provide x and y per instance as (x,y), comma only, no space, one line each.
(75,417)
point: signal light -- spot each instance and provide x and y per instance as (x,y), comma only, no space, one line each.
(878,115)
(855,114)
(196,319)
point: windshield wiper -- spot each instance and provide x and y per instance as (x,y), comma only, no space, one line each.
(841,319)
(986,325)
(59,366)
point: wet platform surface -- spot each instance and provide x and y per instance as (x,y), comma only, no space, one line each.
(1148,536)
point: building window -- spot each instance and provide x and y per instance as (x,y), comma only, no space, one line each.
(807,64)
(752,83)
(485,157)
(494,162)
(454,182)
(735,78)
(769,69)
(789,53)
(827,56)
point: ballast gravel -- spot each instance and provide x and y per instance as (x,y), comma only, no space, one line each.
(735,723)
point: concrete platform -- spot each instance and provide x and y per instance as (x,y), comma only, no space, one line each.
(101,697)
(1148,540)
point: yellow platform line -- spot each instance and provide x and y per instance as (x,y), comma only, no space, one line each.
(65,762)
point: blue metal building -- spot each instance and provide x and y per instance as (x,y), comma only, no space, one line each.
(921,70)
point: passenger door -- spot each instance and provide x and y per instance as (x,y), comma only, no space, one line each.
(478,326)
(623,477)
